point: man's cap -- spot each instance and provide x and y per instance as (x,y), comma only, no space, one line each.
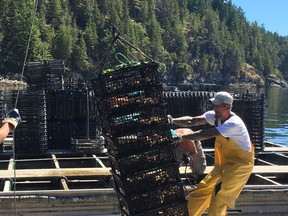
(222,97)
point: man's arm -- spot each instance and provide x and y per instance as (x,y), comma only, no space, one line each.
(199,135)
(188,121)
(4,131)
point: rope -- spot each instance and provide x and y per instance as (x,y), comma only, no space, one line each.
(124,57)
(137,49)
(101,63)
(125,44)
(16,102)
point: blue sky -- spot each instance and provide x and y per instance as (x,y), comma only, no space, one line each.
(272,14)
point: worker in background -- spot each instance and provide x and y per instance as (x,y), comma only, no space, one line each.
(9,123)
(234,156)
(190,153)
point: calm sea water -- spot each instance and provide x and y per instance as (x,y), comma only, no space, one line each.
(276,116)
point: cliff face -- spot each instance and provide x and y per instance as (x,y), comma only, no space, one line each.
(272,80)
(250,74)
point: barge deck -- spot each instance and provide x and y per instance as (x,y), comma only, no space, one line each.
(61,183)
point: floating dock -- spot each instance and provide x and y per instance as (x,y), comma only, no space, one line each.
(74,184)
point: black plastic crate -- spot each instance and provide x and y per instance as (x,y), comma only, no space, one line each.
(126,79)
(59,134)
(84,145)
(147,180)
(30,145)
(143,203)
(31,134)
(139,120)
(45,74)
(138,142)
(177,209)
(69,105)
(154,157)
(130,101)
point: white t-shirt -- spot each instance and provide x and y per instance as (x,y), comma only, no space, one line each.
(234,128)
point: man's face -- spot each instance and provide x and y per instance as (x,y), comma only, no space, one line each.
(221,109)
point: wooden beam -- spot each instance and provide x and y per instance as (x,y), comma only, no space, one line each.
(267,179)
(8,182)
(265,162)
(73,172)
(99,161)
(275,149)
(256,169)
(63,179)
(47,173)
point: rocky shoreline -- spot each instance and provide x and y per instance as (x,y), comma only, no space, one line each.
(11,83)
(271,82)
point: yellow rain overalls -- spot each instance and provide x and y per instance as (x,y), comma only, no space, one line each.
(222,186)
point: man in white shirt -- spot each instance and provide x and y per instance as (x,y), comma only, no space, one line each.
(234,156)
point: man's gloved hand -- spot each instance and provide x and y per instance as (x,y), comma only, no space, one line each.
(13,117)
(170,119)
(177,137)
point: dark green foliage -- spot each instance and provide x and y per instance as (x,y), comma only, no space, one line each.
(207,39)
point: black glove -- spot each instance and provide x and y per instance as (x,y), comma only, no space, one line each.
(170,119)
(13,117)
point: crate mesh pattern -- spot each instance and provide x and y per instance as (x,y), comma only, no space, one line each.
(133,117)
(47,75)
(31,134)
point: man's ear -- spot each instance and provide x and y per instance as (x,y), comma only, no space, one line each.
(228,107)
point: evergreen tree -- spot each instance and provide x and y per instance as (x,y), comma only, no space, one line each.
(39,50)
(54,13)
(91,39)
(16,31)
(62,44)
(192,37)
(154,31)
(135,9)
(79,57)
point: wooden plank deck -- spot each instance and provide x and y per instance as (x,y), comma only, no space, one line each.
(256,169)
(47,173)
(276,149)
(270,149)
(70,172)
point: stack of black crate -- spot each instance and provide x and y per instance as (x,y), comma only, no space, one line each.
(67,119)
(31,134)
(2,115)
(134,121)
(47,75)
(251,107)
(2,106)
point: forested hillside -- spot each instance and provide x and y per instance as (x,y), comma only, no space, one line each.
(205,40)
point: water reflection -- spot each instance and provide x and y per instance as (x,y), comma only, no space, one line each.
(276,121)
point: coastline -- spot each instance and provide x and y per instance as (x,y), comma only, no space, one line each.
(4,83)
